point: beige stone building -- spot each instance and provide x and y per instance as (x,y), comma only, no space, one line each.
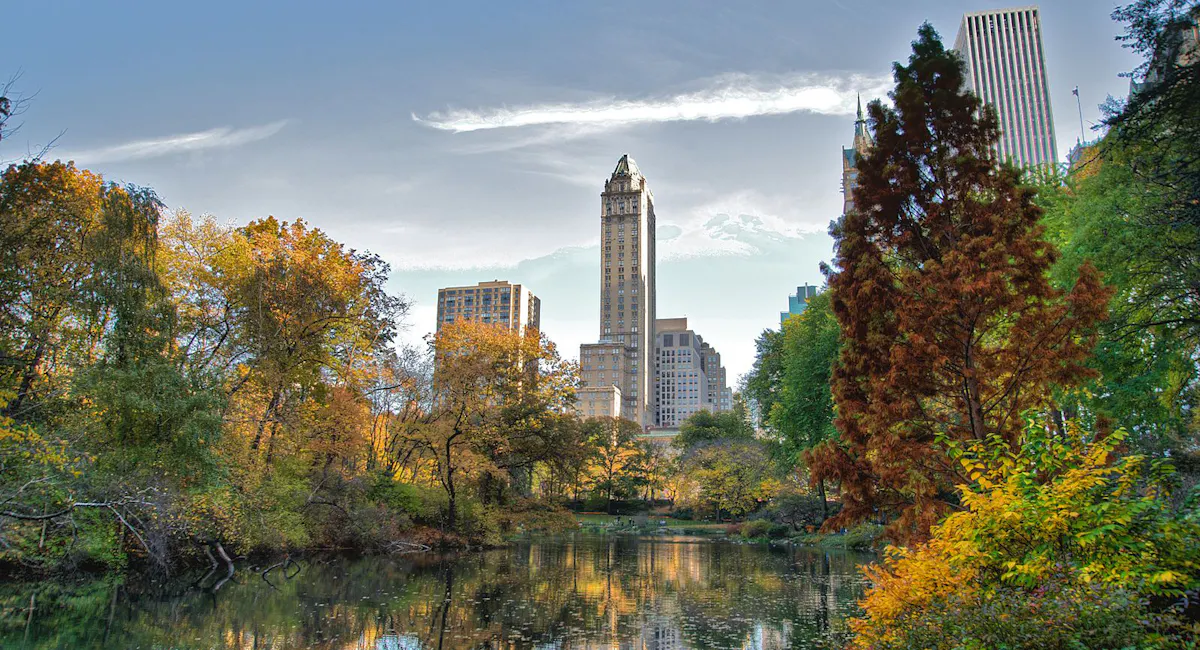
(598,401)
(498,302)
(623,357)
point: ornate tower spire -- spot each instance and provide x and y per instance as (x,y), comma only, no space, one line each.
(862,138)
(862,144)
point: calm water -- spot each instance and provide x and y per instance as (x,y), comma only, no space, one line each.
(569,593)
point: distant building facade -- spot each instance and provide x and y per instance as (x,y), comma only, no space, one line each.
(688,375)
(624,355)
(1006,68)
(598,402)
(1181,49)
(681,385)
(797,302)
(497,302)
(720,395)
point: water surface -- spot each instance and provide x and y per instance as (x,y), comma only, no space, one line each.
(580,592)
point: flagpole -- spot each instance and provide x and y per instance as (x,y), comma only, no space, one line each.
(1079,104)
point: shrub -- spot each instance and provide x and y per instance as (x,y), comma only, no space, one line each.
(423,505)
(734,529)
(1056,615)
(863,536)
(800,510)
(535,515)
(685,513)
(1056,511)
(755,529)
(778,531)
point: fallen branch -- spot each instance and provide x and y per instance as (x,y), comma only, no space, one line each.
(399,546)
(108,505)
(228,564)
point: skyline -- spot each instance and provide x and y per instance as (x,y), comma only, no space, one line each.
(740,136)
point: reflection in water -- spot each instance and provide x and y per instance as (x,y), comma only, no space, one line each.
(572,593)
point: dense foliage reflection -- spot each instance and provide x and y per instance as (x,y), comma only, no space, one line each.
(585,592)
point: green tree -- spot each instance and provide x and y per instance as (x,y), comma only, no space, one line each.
(733,476)
(705,426)
(1146,381)
(761,384)
(802,416)
(1153,136)
(616,470)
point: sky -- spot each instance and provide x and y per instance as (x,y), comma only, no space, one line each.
(469,141)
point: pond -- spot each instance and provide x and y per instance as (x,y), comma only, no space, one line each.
(574,592)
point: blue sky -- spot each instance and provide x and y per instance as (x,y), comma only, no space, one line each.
(468,141)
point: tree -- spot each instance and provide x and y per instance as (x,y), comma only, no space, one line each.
(1154,136)
(1146,376)
(802,416)
(761,384)
(494,391)
(91,359)
(732,475)
(704,426)
(49,322)
(950,324)
(616,466)
(303,309)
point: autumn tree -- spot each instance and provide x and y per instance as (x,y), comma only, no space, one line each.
(950,324)
(497,394)
(52,215)
(293,309)
(289,325)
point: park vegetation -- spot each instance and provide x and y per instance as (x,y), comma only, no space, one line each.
(1004,367)
(1002,376)
(174,391)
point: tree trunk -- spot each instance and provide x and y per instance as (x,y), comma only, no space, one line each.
(262,425)
(824,501)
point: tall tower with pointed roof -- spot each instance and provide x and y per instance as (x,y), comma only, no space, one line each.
(862,144)
(623,359)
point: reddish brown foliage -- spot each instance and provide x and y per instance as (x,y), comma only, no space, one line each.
(949,322)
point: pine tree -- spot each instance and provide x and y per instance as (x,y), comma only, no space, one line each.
(950,324)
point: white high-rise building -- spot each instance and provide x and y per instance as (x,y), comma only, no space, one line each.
(1006,68)
(624,357)
(688,373)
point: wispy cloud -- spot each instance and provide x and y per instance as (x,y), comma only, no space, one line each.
(739,224)
(219,138)
(729,97)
